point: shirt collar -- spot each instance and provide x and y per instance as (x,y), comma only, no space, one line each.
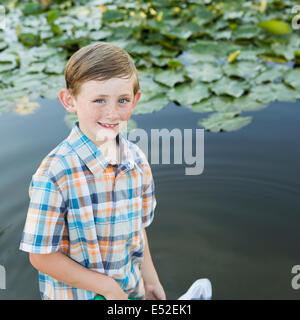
(92,156)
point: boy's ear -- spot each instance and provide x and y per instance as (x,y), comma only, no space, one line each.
(136,98)
(67,100)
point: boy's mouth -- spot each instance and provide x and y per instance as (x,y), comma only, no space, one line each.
(107,125)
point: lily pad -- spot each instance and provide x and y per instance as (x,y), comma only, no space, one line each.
(224,121)
(168,77)
(229,87)
(275,26)
(262,93)
(189,93)
(269,75)
(243,69)
(272,92)
(7,61)
(150,105)
(292,77)
(206,72)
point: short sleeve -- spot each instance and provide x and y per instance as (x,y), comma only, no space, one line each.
(45,221)
(149,200)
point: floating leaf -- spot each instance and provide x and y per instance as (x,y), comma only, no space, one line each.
(168,77)
(205,72)
(243,69)
(274,91)
(189,93)
(246,103)
(224,121)
(214,103)
(275,26)
(150,105)
(7,61)
(292,77)
(262,93)
(245,31)
(283,93)
(202,106)
(230,87)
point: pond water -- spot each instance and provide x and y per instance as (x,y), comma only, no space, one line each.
(236,224)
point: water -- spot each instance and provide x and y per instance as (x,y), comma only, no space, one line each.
(235,224)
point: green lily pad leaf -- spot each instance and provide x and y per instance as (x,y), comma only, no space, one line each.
(202,15)
(270,75)
(214,103)
(138,48)
(202,51)
(148,86)
(249,54)
(243,69)
(155,104)
(122,32)
(3,45)
(233,15)
(189,93)
(35,67)
(246,103)
(283,93)
(55,64)
(7,61)
(292,77)
(228,87)
(224,121)
(159,61)
(178,32)
(34,8)
(262,93)
(202,106)
(113,15)
(205,72)
(275,26)
(225,34)
(168,77)
(100,34)
(245,31)
(274,91)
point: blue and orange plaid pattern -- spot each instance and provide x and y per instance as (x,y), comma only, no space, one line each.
(92,211)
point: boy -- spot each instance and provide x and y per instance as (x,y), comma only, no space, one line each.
(93,195)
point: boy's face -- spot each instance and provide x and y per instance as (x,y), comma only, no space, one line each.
(101,103)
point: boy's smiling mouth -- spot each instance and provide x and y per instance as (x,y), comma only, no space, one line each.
(107,125)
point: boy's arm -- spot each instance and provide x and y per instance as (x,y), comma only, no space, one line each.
(153,287)
(64,269)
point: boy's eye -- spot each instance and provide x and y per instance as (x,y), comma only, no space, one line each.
(126,100)
(122,100)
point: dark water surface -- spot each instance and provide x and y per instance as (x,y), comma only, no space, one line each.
(236,224)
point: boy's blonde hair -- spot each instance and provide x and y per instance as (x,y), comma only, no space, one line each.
(99,61)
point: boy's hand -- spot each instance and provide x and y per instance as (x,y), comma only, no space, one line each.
(154,291)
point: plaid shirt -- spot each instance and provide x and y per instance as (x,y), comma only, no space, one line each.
(92,211)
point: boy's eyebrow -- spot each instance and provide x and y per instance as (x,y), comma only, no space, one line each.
(105,95)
